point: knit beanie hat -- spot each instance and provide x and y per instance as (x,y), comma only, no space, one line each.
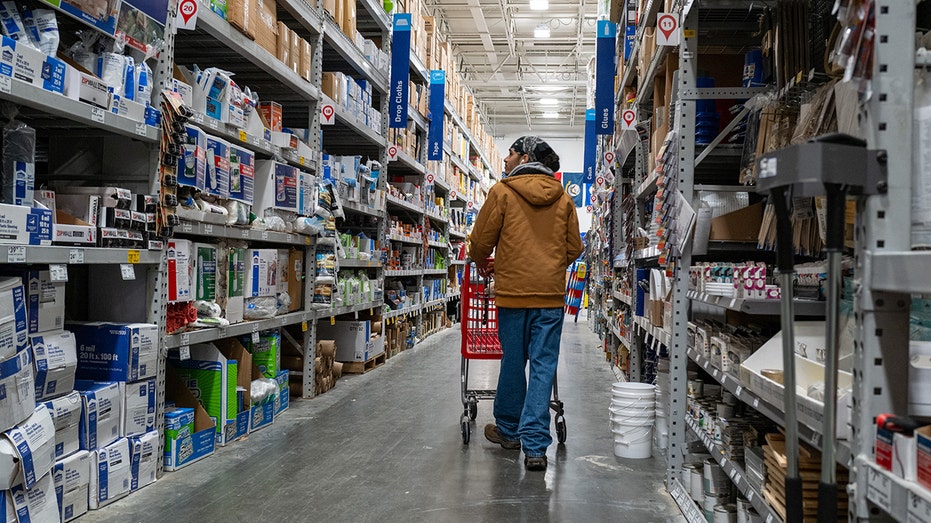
(537,150)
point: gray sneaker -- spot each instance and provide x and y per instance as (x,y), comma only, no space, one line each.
(492,435)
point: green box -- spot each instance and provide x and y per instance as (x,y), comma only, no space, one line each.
(205,269)
(211,378)
(266,354)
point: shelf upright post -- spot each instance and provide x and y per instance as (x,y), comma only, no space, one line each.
(685,125)
(880,379)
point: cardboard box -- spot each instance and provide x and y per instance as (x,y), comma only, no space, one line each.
(307,60)
(294,57)
(271,111)
(192,167)
(76,235)
(16,378)
(347,20)
(33,66)
(66,414)
(284,388)
(283,47)
(330,6)
(72,476)
(144,459)
(262,273)
(128,108)
(295,276)
(240,14)
(242,174)
(306,191)
(46,301)
(138,407)
(275,187)
(86,87)
(111,475)
(923,456)
(38,503)
(212,378)
(190,433)
(13,318)
(204,261)
(354,341)
(266,25)
(218,177)
(180,272)
(56,360)
(742,225)
(101,415)
(330,86)
(116,351)
(25,225)
(27,451)
(83,207)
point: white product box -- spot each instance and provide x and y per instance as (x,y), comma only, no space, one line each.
(217,182)
(25,225)
(185,90)
(282,277)
(72,476)
(138,407)
(20,399)
(87,88)
(111,475)
(205,261)
(233,305)
(38,503)
(85,207)
(919,378)
(116,351)
(145,459)
(261,272)
(78,235)
(306,193)
(7,512)
(180,277)
(275,187)
(133,110)
(101,417)
(34,67)
(66,415)
(56,361)
(13,318)
(46,302)
(27,451)
(282,139)
(109,196)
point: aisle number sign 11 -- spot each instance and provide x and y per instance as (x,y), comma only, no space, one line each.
(667,29)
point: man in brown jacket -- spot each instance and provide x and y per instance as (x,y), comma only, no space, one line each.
(531,224)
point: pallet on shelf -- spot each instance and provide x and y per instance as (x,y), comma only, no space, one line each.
(361,367)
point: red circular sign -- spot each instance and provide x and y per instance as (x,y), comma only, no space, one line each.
(430,177)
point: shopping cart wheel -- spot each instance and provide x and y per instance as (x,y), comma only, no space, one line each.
(561,429)
(473,408)
(466,429)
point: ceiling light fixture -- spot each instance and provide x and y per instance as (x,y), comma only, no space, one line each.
(541,31)
(549,101)
(552,115)
(539,5)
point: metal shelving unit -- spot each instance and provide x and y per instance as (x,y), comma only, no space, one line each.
(403,204)
(405,239)
(55,254)
(347,262)
(241,233)
(758,306)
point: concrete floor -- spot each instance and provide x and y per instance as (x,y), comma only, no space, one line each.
(386,446)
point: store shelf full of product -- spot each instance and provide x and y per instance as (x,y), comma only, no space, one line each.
(353,263)
(40,254)
(434,272)
(363,209)
(623,298)
(400,273)
(810,435)
(758,306)
(453,233)
(240,233)
(173,341)
(407,161)
(404,204)
(348,54)
(413,309)
(405,239)
(438,244)
(437,217)
(735,472)
(346,309)
(85,115)
(901,499)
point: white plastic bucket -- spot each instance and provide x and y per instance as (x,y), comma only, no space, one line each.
(635,442)
(716,481)
(696,488)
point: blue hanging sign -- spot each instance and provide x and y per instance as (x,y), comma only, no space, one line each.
(400,70)
(605,71)
(437,110)
(591,147)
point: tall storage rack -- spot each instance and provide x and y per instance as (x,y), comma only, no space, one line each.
(884,265)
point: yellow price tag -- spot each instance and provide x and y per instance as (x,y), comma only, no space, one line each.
(332,320)
(303,326)
(798,77)
(689,33)
(132,256)
(306,240)
(370,310)
(300,159)
(243,137)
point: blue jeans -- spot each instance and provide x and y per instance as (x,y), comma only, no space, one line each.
(522,409)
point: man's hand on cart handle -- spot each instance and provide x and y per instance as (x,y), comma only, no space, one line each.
(485,267)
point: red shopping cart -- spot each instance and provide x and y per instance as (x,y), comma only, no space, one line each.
(479,322)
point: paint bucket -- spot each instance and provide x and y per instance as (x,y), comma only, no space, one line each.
(696,483)
(634,441)
(726,513)
(716,481)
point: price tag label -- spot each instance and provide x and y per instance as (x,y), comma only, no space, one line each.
(245,233)
(723,379)
(705,365)
(132,256)
(756,402)
(723,460)
(715,373)
(769,518)
(212,123)
(58,272)
(880,489)
(919,509)
(300,160)
(264,235)
(304,326)
(740,388)
(255,336)
(98,114)
(185,339)
(750,495)
(127,271)
(141,129)
(733,475)
(186,227)
(198,118)
(243,137)
(184,352)
(816,439)
(76,256)
(16,255)
(6,84)
(208,229)
(332,320)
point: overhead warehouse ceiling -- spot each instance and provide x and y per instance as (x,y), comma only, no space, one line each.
(522,81)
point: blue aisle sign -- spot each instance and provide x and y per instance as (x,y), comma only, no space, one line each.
(605,71)
(630,38)
(435,131)
(591,147)
(400,70)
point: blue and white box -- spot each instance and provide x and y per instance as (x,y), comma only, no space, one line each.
(27,451)
(56,361)
(66,415)
(21,225)
(72,476)
(38,503)
(111,474)
(284,391)
(35,67)
(261,273)
(46,302)
(13,320)
(101,416)
(217,181)
(17,389)
(275,187)
(145,459)
(138,407)
(116,351)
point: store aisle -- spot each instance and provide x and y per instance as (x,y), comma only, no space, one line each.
(386,446)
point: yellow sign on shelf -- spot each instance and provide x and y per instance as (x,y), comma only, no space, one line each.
(132,256)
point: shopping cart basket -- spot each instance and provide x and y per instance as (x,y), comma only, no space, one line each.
(479,322)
